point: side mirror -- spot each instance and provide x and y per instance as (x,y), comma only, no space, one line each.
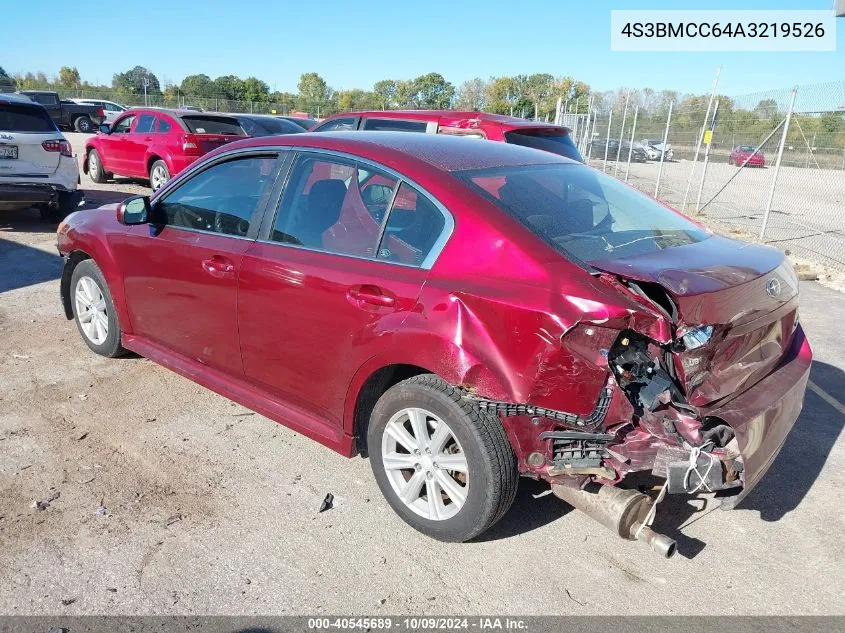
(135,210)
(105,128)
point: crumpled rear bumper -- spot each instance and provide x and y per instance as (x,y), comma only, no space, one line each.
(763,416)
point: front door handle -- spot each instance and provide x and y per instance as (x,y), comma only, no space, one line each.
(371,295)
(218,266)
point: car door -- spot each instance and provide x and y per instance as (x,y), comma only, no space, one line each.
(317,295)
(181,271)
(114,145)
(140,137)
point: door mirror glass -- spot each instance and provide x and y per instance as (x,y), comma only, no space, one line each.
(105,129)
(134,211)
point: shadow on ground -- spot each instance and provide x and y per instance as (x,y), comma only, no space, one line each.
(24,265)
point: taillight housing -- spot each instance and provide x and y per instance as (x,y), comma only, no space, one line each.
(62,146)
(190,145)
(101,113)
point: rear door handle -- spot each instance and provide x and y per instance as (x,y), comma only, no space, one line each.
(218,266)
(371,295)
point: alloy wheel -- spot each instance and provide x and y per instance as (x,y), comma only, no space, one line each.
(91,310)
(425,464)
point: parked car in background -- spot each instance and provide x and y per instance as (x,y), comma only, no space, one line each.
(754,157)
(461,312)
(266,125)
(494,127)
(156,143)
(656,145)
(67,114)
(615,150)
(110,108)
(37,165)
(191,108)
(303,122)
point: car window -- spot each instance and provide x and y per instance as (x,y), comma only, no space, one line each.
(164,126)
(413,226)
(333,204)
(345,123)
(221,199)
(206,124)
(146,122)
(111,107)
(25,118)
(394,125)
(554,140)
(248,126)
(582,212)
(122,126)
(47,100)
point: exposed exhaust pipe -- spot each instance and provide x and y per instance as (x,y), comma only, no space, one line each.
(620,510)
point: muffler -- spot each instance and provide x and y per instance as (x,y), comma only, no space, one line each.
(619,510)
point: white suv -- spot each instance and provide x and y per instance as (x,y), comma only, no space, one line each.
(37,165)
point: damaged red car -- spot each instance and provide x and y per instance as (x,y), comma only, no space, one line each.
(463,313)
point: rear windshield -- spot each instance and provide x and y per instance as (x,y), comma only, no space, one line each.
(277,126)
(581,212)
(746,148)
(25,118)
(305,124)
(554,140)
(204,124)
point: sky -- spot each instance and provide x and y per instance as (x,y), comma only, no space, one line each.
(353,45)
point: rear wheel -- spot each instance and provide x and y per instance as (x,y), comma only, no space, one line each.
(445,466)
(83,124)
(159,175)
(95,167)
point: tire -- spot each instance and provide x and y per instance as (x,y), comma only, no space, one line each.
(67,204)
(95,167)
(477,441)
(83,124)
(159,175)
(84,275)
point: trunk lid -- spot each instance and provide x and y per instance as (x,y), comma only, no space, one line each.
(742,290)
(210,131)
(23,129)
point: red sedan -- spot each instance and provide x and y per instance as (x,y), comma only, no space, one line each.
(747,155)
(473,124)
(463,313)
(155,143)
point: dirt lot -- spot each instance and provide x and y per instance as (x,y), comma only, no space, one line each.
(162,497)
(806,215)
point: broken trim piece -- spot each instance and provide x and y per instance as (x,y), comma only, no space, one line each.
(509,409)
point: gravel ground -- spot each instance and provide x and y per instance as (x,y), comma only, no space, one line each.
(161,497)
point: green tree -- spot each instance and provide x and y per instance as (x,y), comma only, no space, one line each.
(766,108)
(7,83)
(433,91)
(69,77)
(385,91)
(472,95)
(406,95)
(255,90)
(230,87)
(198,86)
(538,88)
(314,93)
(132,81)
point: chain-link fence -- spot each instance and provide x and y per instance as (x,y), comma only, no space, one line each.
(768,164)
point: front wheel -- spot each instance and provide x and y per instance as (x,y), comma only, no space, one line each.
(83,124)
(159,175)
(93,310)
(444,466)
